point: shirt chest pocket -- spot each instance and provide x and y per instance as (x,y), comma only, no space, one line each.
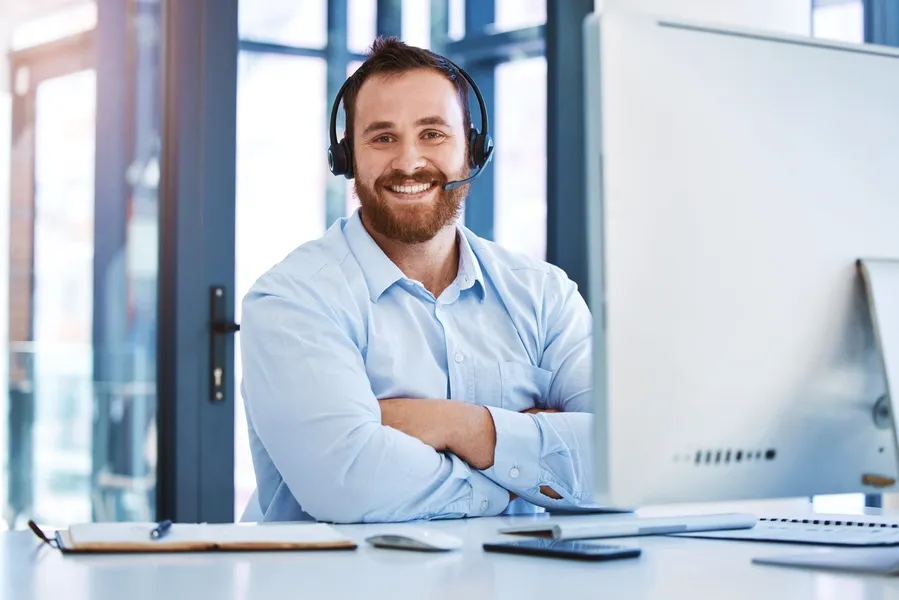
(515,386)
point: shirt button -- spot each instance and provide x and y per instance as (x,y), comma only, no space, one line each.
(484,505)
(459,357)
(514,473)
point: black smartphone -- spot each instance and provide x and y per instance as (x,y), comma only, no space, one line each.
(563,549)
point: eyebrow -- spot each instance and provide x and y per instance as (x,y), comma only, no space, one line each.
(380,125)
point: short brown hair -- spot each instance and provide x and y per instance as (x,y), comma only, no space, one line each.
(389,55)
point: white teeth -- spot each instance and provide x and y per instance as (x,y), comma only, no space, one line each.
(410,189)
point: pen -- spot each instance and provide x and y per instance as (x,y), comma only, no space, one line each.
(160,530)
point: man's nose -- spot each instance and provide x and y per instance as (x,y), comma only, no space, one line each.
(410,158)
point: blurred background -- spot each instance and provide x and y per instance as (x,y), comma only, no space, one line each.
(81,147)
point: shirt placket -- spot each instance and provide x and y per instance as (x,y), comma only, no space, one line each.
(458,361)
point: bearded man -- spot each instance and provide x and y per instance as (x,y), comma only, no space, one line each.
(400,367)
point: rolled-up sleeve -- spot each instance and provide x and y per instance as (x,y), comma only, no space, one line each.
(553,449)
(311,405)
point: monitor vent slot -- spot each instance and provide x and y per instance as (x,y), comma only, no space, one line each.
(726,456)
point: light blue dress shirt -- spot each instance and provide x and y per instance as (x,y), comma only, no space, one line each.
(336,326)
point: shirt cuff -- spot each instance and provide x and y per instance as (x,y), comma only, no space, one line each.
(487,498)
(516,459)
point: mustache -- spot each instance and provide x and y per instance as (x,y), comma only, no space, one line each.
(399,178)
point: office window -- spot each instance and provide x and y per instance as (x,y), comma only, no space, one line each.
(843,21)
(839,20)
(59,24)
(5,141)
(78,409)
(287,22)
(417,23)
(456,19)
(518,14)
(520,161)
(281,141)
(361,25)
(63,298)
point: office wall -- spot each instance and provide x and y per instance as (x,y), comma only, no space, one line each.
(786,16)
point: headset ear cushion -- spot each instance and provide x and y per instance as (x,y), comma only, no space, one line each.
(476,147)
(340,161)
(348,157)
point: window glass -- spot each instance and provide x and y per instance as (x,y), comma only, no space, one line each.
(78,408)
(456,19)
(62,309)
(842,22)
(520,161)
(54,26)
(516,14)
(281,137)
(417,23)
(362,24)
(5,160)
(288,22)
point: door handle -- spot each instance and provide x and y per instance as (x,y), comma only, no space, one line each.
(220,327)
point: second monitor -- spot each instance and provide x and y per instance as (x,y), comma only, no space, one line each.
(735,178)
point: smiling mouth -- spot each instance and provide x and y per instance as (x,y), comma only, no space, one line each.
(411,190)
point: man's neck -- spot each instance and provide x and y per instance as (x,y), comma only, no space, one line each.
(434,263)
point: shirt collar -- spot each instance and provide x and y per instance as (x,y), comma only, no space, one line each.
(380,272)
(470,273)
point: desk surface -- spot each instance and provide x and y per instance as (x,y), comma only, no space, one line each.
(669,568)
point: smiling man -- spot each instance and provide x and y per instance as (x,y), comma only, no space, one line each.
(400,367)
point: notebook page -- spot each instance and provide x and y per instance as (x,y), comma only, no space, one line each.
(130,533)
(225,533)
(288,533)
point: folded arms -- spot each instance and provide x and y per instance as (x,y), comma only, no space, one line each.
(346,457)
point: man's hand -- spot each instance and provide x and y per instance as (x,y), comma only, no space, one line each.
(464,429)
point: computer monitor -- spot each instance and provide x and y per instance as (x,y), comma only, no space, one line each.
(734,179)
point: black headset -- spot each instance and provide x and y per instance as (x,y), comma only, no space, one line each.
(480,144)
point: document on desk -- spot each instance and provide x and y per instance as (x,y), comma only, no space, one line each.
(613,526)
(817,529)
(880,561)
(191,537)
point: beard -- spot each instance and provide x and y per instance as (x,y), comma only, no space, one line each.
(415,222)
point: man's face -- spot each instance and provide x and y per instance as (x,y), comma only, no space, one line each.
(409,140)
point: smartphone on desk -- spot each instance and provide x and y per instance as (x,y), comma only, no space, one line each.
(564,549)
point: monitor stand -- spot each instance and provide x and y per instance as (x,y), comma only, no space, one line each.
(881,278)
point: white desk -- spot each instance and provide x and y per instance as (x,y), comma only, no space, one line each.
(669,568)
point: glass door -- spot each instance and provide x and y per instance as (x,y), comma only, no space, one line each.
(117,195)
(78,432)
(59,354)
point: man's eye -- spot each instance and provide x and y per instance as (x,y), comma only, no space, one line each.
(433,135)
(382,139)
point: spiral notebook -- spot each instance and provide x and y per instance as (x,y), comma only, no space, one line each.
(191,537)
(818,529)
